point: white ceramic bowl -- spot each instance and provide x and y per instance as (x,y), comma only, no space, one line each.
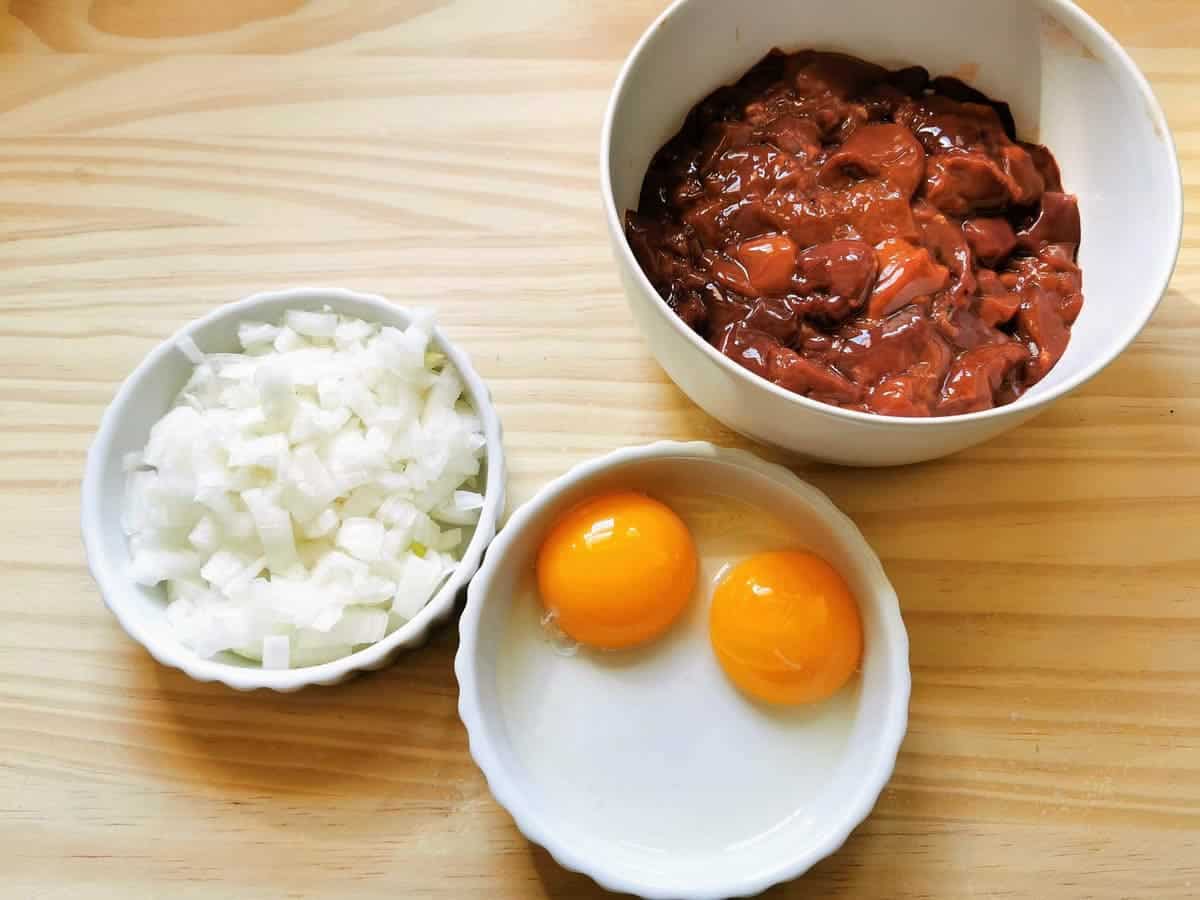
(142,400)
(593,752)
(1070,85)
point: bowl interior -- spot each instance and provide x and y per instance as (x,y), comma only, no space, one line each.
(1069,84)
(145,397)
(646,768)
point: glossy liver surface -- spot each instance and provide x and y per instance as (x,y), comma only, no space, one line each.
(877,240)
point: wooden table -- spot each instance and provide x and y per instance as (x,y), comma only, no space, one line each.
(158,157)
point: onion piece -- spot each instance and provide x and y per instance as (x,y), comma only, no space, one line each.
(308,495)
(274,527)
(419,579)
(276,651)
(251,334)
(311,324)
(205,536)
(362,538)
(356,625)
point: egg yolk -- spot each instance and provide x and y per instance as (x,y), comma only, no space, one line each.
(785,627)
(617,570)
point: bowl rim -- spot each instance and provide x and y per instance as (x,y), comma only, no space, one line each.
(887,739)
(111,581)
(1081,23)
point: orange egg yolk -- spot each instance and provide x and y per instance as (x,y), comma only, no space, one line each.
(785,627)
(617,570)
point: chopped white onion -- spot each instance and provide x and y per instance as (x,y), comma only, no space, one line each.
(274,382)
(268,452)
(419,579)
(288,340)
(323,524)
(311,324)
(274,527)
(205,536)
(362,538)
(252,334)
(462,509)
(307,496)
(276,651)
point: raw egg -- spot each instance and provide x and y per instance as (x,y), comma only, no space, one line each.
(785,627)
(616,570)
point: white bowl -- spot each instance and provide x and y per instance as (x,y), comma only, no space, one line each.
(142,400)
(1071,87)
(747,795)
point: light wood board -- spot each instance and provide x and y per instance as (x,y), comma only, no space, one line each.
(158,157)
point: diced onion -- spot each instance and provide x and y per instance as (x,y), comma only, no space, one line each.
(276,651)
(252,334)
(312,324)
(305,497)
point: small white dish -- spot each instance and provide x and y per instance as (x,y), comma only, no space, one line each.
(646,769)
(1071,87)
(145,397)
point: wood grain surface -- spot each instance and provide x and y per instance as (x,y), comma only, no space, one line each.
(158,157)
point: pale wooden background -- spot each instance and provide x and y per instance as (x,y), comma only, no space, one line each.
(158,157)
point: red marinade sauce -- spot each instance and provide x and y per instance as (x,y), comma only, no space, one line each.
(875,240)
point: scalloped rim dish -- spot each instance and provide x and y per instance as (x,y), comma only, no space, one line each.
(492,758)
(98,514)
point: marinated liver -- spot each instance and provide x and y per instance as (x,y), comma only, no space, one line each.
(874,239)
